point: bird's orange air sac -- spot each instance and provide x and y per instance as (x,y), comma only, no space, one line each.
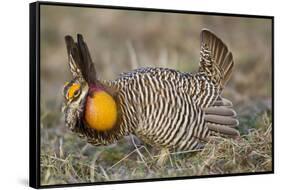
(100,111)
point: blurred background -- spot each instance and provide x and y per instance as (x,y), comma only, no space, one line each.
(122,40)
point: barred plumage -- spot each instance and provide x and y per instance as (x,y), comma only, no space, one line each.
(163,107)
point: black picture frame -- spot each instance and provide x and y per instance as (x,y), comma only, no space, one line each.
(34,97)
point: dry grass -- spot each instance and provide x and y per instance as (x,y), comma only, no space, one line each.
(251,153)
(74,161)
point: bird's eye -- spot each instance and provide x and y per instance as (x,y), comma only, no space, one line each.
(76,93)
(73,91)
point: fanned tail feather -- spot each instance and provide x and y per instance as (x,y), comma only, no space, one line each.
(215,58)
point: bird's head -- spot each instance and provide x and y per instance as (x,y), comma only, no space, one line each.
(87,102)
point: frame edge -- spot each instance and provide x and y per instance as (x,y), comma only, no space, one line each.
(34,138)
(34,97)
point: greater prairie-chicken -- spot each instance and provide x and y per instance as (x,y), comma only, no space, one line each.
(163,107)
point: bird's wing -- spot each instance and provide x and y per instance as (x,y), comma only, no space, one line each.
(221,118)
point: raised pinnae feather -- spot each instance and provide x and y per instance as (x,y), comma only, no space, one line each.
(80,61)
(87,66)
(73,56)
